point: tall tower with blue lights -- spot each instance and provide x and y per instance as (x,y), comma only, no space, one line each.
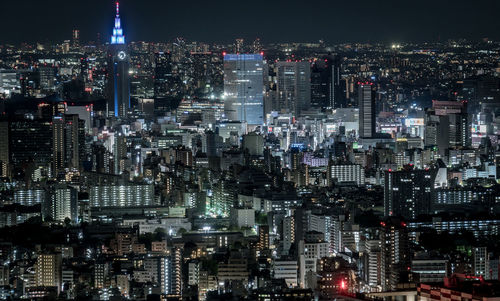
(118,76)
(117,37)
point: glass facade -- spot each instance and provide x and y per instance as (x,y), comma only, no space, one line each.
(243,88)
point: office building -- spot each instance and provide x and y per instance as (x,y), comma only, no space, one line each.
(327,85)
(408,193)
(287,270)
(253,143)
(242,217)
(430,270)
(9,82)
(293,86)
(30,142)
(346,173)
(447,125)
(243,88)
(234,270)
(118,76)
(163,80)
(68,142)
(47,78)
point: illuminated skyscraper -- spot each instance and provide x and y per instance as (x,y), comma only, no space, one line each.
(243,88)
(366,97)
(117,38)
(118,77)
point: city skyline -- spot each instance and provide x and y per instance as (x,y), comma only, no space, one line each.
(250,170)
(362,21)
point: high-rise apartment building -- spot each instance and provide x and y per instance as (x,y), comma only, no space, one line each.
(29,197)
(4,149)
(366,103)
(342,173)
(263,242)
(61,203)
(48,270)
(395,253)
(58,145)
(125,195)
(372,262)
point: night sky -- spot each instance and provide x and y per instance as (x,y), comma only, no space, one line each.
(271,20)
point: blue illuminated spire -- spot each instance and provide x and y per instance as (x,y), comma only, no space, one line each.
(117,37)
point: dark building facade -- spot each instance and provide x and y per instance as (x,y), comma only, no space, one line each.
(408,193)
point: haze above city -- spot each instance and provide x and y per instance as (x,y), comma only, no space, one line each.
(272,21)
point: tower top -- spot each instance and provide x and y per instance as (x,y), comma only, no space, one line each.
(117,37)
